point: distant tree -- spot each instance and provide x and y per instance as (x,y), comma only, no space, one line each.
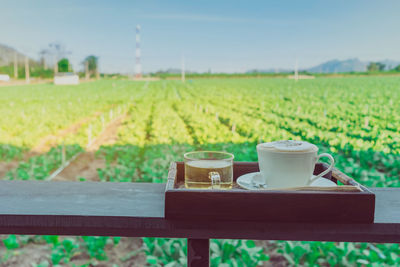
(92,62)
(397,68)
(54,53)
(63,65)
(376,66)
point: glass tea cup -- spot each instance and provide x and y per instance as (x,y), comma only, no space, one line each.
(208,170)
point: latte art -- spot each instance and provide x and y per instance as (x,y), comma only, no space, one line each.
(288,143)
(289,146)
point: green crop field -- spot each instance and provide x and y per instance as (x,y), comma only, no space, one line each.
(355,118)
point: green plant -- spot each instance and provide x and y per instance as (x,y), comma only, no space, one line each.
(165,252)
(236,253)
(11,242)
(64,250)
(95,246)
(339,254)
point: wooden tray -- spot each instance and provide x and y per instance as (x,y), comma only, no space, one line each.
(267,206)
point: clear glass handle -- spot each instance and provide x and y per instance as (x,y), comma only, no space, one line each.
(215,180)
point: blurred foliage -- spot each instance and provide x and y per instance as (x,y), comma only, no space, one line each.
(375,66)
(63,65)
(36,71)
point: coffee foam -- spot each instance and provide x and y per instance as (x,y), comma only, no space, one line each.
(288,146)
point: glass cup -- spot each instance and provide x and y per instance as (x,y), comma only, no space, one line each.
(208,170)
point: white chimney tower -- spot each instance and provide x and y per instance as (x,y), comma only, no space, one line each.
(138,68)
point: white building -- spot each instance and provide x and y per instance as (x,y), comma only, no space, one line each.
(65,78)
(4,78)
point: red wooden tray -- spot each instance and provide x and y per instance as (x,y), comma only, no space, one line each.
(267,206)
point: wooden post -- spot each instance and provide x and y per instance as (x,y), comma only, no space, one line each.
(366,122)
(97,70)
(198,253)
(89,135)
(15,65)
(183,70)
(55,65)
(27,78)
(63,156)
(87,70)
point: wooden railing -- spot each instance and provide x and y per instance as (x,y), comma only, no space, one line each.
(137,210)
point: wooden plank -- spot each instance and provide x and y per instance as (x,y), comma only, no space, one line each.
(81,198)
(136,209)
(387,208)
(198,253)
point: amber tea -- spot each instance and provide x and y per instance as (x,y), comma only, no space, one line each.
(203,174)
(208,170)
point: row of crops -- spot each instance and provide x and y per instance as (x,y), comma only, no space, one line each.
(355,119)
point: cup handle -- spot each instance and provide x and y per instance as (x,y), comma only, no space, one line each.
(327,170)
(215,180)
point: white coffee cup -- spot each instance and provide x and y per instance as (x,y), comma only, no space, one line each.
(289,163)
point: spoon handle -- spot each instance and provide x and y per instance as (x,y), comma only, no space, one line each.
(338,175)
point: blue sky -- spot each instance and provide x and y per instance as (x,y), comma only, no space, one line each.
(223,36)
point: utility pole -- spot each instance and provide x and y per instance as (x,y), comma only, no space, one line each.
(27,78)
(87,70)
(183,69)
(296,71)
(15,65)
(43,54)
(44,63)
(97,70)
(55,65)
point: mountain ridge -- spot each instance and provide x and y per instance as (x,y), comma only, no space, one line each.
(334,66)
(349,65)
(7,55)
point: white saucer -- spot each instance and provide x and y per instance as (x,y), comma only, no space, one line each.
(252,181)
